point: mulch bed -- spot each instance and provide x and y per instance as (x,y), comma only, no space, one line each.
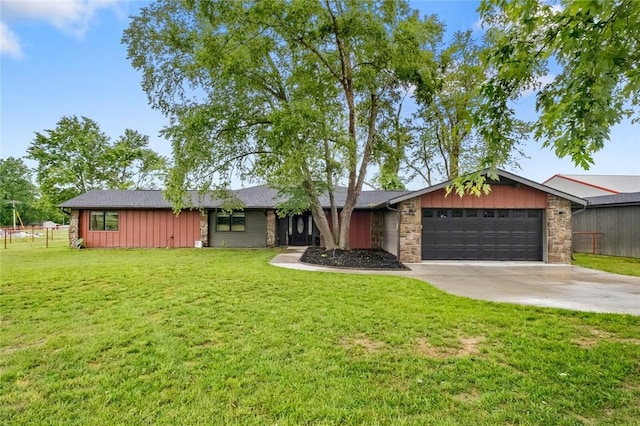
(357,258)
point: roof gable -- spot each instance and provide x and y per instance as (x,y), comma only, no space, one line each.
(502,175)
(583,185)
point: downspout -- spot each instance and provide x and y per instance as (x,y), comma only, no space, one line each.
(68,213)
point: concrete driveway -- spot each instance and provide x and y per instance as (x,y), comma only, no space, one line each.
(526,283)
(539,284)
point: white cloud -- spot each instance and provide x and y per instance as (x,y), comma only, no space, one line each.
(9,43)
(478,25)
(72,17)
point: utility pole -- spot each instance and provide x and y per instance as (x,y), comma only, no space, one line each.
(13,203)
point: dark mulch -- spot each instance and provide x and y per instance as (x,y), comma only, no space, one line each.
(358,258)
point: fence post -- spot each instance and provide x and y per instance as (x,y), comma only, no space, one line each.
(33,237)
(5,239)
(46,240)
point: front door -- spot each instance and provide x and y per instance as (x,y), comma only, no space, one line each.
(299,228)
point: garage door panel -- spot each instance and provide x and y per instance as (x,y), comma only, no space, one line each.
(482,234)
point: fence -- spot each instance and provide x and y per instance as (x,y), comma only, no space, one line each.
(587,242)
(34,236)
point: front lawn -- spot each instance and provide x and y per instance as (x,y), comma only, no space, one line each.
(617,265)
(206,336)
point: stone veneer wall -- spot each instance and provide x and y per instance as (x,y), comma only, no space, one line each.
(271,228)
(204,228)
(377,228)
(410,231)
(74,227)
(558,217)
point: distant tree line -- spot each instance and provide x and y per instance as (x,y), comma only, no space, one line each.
(73,158)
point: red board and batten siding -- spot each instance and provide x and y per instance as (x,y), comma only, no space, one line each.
(359,230)
(145,228)
(500,197)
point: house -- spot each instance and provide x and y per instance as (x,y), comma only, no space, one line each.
(143,218)
(518,220)
(593,185)
(609,225)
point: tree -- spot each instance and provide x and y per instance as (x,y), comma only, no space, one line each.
(70,159)
(16,191)
(77,156)
(596,45)
(132,165)
(288,92)
(445,143)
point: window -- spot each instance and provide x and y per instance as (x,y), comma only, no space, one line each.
(489,213)
(442,213)
(427,213)
(230,222)
(472,213)
(533,213)
(503,213)
(103,221)
(456,213)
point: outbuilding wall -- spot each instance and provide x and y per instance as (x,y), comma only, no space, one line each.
(619,229)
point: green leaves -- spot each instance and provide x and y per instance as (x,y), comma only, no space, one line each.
(287,92)
(77,156)
(597,47)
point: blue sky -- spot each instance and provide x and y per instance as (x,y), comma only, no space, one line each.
(64,57)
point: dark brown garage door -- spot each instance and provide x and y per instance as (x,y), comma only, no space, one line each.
(481,234)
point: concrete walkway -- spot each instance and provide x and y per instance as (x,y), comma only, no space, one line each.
(526,283)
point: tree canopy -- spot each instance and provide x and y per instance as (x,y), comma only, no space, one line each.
(77,156)
(16,190)
(289,92)
(595,45)
(444,142)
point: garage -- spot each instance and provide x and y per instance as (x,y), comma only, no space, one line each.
(482,234)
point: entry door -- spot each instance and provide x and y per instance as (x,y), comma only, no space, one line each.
(300,230)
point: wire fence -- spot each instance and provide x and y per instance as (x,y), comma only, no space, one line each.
(587,242)
(34,236)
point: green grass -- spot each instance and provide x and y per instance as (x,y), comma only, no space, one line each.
(56,238)
(188,336)
(617,265)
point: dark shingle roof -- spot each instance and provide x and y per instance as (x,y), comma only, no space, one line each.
(625,198)
(252,197)
(117,199)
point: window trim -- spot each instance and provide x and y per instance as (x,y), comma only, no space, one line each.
(104,223)
(230,216)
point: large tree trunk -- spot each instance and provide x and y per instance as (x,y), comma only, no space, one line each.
(355,185)
(327,237)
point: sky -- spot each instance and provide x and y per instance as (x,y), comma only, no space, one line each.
(64,57)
